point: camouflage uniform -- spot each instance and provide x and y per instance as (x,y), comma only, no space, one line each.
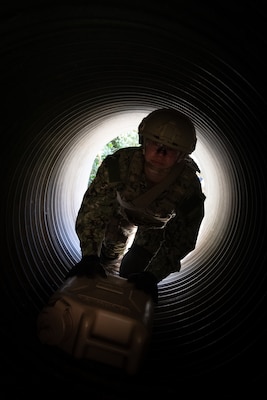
(167,228)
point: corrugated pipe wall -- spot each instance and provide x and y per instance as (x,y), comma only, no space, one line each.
(73,76)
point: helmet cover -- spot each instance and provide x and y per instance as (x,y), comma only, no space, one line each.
(169,127)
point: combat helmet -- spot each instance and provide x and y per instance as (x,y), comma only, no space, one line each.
(169,127)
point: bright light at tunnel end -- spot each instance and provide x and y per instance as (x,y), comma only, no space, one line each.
(208,155)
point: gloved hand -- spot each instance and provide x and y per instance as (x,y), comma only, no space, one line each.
(88,266)
(147,282)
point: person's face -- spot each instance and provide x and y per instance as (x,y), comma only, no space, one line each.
(161,156)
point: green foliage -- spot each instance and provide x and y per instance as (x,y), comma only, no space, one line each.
(126,140)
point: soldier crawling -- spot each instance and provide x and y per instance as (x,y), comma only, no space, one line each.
(150,193)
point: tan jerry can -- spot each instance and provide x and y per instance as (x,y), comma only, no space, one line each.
(102,319)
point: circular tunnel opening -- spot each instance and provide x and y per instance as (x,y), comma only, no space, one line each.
(74,82)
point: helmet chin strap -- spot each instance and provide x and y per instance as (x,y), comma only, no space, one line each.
(181,156)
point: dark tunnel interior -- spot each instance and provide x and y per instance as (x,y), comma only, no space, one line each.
(74,74)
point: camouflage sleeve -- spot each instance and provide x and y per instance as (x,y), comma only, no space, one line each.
(96,210)
(180,234)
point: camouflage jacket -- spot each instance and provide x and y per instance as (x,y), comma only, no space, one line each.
(181,206)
